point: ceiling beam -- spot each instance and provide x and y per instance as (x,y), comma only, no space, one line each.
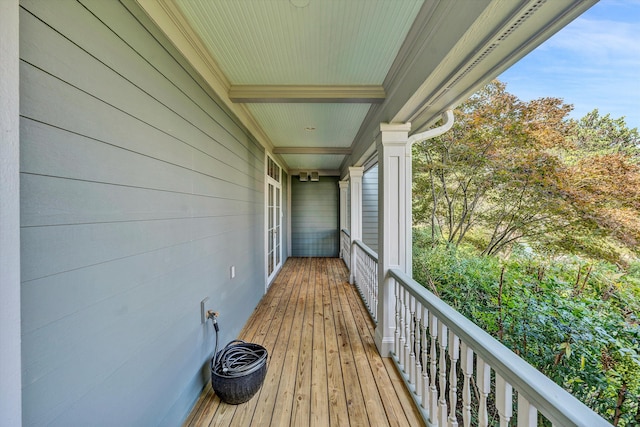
(362,94)
(312,150)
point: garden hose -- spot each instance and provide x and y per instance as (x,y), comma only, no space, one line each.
(236,359)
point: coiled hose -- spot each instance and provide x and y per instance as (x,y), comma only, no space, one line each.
(237,358)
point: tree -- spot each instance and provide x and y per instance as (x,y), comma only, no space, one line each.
(604,190)
(494,170)
(594,134)
(602,184)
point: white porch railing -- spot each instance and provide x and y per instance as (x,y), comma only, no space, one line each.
(457,372)
(345,247)
(366,277)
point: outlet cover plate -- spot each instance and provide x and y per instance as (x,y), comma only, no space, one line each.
(204,307)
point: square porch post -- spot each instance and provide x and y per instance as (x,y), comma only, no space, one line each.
(355,184)
(344,187)
(394,223)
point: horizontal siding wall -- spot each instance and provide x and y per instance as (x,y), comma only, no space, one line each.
(138,192)
(370,208)
(314,217)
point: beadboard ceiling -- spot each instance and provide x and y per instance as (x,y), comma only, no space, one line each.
(313,79)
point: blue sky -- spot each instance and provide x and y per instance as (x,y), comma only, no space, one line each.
(594,62)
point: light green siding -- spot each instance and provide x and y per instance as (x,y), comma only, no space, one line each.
(138,192)
(314,217)
(370,208)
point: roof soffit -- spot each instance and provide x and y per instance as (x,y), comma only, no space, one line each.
(426,81)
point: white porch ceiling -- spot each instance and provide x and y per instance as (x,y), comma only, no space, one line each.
(313,79)
(310,125)
(327,42)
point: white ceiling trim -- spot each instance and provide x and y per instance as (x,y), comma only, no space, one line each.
(365,94)
(166,15)
(312,150)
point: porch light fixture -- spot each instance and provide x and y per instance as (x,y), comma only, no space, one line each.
(304,177)
(315,176)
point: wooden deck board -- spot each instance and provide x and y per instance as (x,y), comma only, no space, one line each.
(300,414)
(338,415)
(289,350)
(324,369)
(276,344)
(319,388)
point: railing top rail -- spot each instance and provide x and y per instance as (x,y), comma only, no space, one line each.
(345,231)
(366,250)
(555,403)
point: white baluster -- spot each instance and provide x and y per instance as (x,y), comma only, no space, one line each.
(375,287)
(527,413)
(483,378)
(418,346)
(442,372)
(397,331)
(407,334)
(403,335)
(424,323)
(466,364)
(369,290)
(454,353)
(356,272)
(504,402)
(362,273)
(370,286)
(433,390)
(412,340)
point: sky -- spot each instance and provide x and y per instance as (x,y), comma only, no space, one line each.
(594,62)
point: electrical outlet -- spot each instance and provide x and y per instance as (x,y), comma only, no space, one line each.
(233,271)
(204,307)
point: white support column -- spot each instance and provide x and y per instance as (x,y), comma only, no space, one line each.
(394,223)
(344,187)
(355,184)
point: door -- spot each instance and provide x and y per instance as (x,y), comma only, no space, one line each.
(274,219)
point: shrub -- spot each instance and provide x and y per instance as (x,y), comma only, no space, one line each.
(573,319)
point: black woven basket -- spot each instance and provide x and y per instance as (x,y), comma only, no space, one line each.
(239,389)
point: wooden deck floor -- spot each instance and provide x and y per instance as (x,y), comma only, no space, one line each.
(324,369)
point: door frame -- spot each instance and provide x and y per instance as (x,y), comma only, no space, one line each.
(273,179)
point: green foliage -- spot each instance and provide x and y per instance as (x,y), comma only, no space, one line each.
(574,319)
